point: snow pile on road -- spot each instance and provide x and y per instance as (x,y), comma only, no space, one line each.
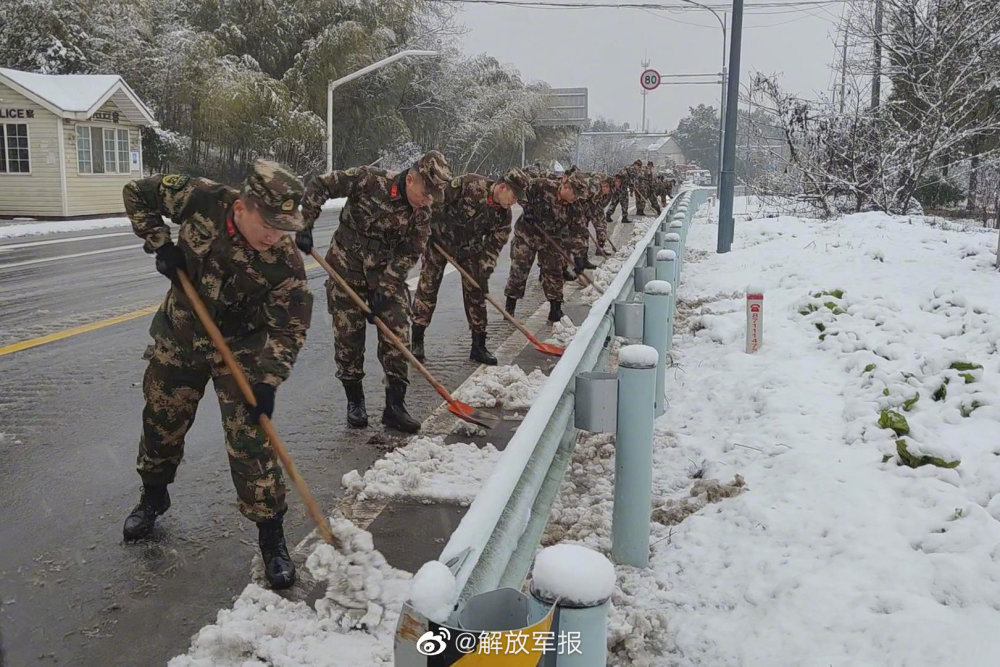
(608,270)
(506,387)
(352,624)
(427,469)
(834,498)
(563,332)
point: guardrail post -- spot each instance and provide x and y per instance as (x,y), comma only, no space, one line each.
(579,620)
(677,227)
(634,456)
(656,316)
(673,242)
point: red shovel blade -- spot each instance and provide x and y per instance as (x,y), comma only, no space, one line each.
(548,348)
(470,414)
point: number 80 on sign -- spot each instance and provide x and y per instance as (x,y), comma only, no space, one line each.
(649,79)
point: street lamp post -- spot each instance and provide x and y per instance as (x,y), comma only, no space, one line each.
(351,77)
(722,105)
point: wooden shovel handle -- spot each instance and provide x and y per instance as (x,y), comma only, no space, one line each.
(465,274)
(382,326)
(265,422)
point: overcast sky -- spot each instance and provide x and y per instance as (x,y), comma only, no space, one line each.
(601,49)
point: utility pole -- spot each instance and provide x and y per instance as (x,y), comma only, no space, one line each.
(877,55)
(726,231)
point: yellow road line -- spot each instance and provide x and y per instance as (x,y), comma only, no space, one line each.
(75,331)
(93,326)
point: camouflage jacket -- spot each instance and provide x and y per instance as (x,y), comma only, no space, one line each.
(468,222)
(377,216)
(545,211)
(259,300)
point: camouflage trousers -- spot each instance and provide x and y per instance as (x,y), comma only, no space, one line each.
(642,197)
(350,323)
(523,250)
(174,383)
(432,269)
(619,198)
(600,229)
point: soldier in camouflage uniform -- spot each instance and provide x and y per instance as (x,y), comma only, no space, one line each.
(472,224)
(384,227)
(233,246)
(619,196)
(651,187)
(637,181)
(549,206)
(599,200)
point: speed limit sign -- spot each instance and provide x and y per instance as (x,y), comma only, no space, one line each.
(650,79)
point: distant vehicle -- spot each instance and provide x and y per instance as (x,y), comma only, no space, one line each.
(700,176)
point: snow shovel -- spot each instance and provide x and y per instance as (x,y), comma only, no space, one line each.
(569,260)
(265,421)
(544,348)
(458,408)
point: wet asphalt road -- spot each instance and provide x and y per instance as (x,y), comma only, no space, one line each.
(71,592)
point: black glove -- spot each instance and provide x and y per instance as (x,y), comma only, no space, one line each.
(170,258)
(264,395)
(375,303)
(579,264)
(304,240)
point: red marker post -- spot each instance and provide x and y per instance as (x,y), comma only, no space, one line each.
(755,319)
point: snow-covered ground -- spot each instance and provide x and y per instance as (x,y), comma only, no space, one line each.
(19,228)
(786,529)
(28,227)
(789,527)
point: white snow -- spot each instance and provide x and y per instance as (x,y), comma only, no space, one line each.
(69,92)
(352,624)
(563,332)
(638,356)
(426,469)
(337,203)
(672,236)
(57,226)
(661,287)
(785,529)
(666,255)
(502,386)
(434,591)
(574,574)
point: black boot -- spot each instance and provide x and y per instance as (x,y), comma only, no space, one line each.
(153,502)
(587,264)
(510,305)
(395,414)
(625,219)
(555,311)
(278,566)
(357,416)
(479,352)
(417,341)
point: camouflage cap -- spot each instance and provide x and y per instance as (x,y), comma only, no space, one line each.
(578,183)
(434,168)
(277,193)
(516,180)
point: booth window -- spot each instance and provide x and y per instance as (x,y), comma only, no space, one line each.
(14,158)
(102,150)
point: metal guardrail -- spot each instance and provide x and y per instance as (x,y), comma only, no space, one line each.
(495,542)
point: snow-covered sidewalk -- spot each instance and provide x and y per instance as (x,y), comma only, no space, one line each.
(21,228)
